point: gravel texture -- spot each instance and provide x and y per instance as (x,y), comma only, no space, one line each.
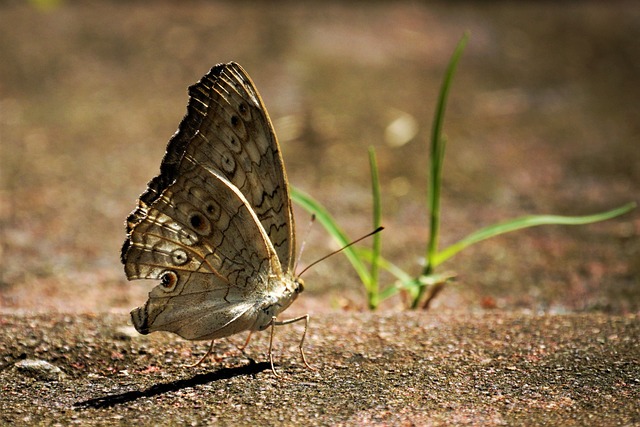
(403,369)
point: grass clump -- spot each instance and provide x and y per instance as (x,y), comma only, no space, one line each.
(423,288)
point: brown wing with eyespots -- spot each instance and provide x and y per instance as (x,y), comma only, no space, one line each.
(201,238)
(228,130)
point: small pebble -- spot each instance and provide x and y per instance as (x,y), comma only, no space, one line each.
(40,369)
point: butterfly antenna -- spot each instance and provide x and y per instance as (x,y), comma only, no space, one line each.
(377,230)
(304,241)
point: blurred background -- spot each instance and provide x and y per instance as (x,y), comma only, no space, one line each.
(543,118)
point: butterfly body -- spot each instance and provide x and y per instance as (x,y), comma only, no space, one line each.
(216,225)
(242,314)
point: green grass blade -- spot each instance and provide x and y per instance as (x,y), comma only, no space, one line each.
(436,160)
(367,255)
(373,291)
(324,217)
(404,280)
(413,285)
(526,222)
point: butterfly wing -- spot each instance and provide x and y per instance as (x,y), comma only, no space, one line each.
(227,128)
(201,238)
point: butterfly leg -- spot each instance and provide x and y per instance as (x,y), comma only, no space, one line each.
(275,323)
(273,328)
(246,343)
(199,362)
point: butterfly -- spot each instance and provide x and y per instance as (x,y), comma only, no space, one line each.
(216,225)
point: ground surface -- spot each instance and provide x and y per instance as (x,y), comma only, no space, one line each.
(409,369)
(543,118)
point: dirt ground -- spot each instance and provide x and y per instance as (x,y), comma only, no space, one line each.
(543,118)
(400,369)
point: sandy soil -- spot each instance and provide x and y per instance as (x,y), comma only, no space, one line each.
(399,369)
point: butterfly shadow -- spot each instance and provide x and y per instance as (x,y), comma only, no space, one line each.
(222,374)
